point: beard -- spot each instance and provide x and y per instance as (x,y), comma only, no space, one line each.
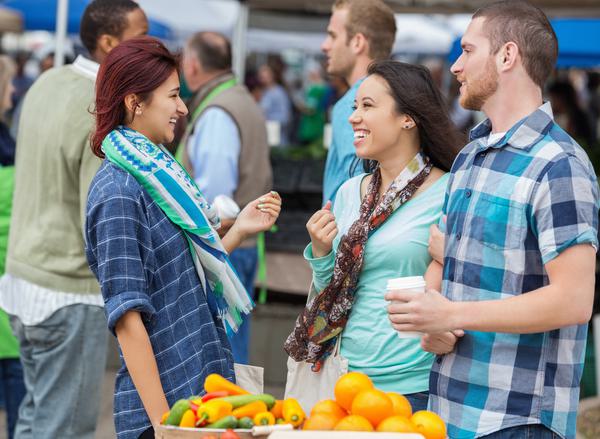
(479,90)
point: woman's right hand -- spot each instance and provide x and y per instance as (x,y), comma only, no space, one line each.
(322,229)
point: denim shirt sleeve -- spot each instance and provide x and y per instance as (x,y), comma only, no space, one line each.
(119,238)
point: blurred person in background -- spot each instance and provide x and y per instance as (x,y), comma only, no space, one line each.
(225,149)
(359,32)
(22,81)
(275,102)
(12,386)
(52,298)
(568,112)
(313,107)
(593,102)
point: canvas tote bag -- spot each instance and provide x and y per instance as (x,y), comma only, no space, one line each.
(309,387)
(250,378)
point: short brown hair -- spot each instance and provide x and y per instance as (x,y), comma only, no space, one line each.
(528,27)
(375,20)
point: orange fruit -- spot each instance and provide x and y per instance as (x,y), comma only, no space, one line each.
(348,386)
(330,407)
(401,404)
(397,424)
(321,421)
(354,423)
(429,425)
(373,404)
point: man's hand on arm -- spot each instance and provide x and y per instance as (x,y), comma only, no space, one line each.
(437,240)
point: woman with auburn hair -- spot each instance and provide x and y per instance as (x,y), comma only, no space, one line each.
(169,290)
(378,230)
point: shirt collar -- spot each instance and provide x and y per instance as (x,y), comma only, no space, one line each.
(86,67)
(524,134)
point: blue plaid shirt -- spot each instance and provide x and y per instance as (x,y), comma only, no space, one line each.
(512,207)
(143,263)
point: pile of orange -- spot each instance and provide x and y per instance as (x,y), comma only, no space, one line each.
(359,406)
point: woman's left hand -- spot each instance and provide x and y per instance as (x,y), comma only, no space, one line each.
(259,215)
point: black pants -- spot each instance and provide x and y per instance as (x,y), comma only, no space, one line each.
(148,434)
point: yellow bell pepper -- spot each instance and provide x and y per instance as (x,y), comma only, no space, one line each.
(215,383)
(188,419)
(213,410)
(250,410)
(292,412)
(264,418)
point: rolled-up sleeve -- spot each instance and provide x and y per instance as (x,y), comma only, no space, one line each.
(120,241)
(565,208)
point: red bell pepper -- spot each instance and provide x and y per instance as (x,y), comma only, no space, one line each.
(213,395)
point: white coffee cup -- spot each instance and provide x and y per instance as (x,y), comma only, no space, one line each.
(414,284)
(226,207)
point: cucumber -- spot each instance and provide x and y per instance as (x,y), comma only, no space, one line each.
(241,400)
(246,423)
(226,422)
(177,412)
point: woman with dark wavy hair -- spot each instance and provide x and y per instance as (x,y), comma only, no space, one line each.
(378,229)
(169,289)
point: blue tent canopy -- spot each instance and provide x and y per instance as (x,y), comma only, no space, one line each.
(41,15)
(578,42)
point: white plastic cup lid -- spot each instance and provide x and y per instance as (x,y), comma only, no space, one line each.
(406,283)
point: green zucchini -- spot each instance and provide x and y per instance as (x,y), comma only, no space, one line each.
(226,422)
(246,423)
(241,400)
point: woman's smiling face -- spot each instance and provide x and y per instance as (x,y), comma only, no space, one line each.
(376,123)
(157,116)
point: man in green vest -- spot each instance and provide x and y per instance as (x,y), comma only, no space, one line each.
(53,299)
(225,148)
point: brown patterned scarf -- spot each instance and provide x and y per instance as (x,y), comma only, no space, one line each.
(324,318)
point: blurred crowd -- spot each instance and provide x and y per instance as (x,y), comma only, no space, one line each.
(301,104)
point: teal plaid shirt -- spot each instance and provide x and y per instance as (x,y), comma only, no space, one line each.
(511,207)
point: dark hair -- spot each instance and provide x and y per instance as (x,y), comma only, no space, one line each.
(416,95)
(526,26)
(104,17)
(212,49)
(139,65)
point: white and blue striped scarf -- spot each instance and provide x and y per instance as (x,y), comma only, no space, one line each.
(178,196)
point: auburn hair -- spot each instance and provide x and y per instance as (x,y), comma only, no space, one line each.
(136,66)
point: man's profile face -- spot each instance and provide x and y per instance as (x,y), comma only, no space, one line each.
(340,58)
(475,69)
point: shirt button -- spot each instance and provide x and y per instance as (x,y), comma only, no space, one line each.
(438,360)
(482,154)
(468,193)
